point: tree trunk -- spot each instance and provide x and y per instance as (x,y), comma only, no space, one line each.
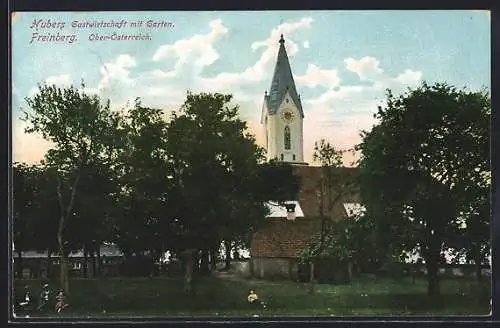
(85,261)
(432,265)
(213,259)
(94,268)
(311,277)
(98,252)
(227,248)
(204,265)
(65,213)
(49,265)
(188,270)
(478,264)
(196,261)
(63,261)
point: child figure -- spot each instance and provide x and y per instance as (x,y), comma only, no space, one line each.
(44,297)
(60,302)
(253,299)
(27,296)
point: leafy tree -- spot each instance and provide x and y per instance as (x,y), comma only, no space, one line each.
(215,165)
(24,209)
(79,125)
(143,224)
(419,166)
(94,204)
(332,189)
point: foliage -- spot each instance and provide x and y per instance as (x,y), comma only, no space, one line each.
(142,220)
(79,126)
(207,142)
(334,186)
(421,165)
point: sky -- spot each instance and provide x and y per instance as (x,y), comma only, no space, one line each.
(342,61)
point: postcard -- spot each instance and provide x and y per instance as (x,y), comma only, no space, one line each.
(250,164)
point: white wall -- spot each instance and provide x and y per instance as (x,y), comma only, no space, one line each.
(275,130)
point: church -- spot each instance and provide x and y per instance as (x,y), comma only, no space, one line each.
(275,249)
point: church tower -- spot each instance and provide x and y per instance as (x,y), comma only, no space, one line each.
(282,114)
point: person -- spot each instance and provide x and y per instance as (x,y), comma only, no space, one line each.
(253,299)
(26,302)
(61,302)
(44,296)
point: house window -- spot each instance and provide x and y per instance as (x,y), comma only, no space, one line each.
(282,157)
(287,137)
(77,265)
(293,156)
(55,262)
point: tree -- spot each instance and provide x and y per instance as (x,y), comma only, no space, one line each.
(144,222)
(419,166)
(332,189)
(24,208)
(94,203)
(78,124)
(215,165)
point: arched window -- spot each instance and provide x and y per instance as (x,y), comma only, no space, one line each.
(287,138)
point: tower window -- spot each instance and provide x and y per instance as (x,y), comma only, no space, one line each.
(293,156)
(286,100)
(282,158)
(287,138)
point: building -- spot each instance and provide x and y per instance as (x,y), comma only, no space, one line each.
(35,264)
(275,249)
(283,115)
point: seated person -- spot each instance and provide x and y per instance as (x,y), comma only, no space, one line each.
(60,301)
(253,298)
(27,297)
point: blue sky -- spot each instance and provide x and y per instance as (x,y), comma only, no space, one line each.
(342,61)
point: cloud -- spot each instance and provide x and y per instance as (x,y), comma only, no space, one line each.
(367,68)
(342,112)
(305,45)
(260,70)
(61,81)
(119,70)
(409,77)
(199,46)
(315,76)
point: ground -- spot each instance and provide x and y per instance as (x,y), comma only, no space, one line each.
(226,296)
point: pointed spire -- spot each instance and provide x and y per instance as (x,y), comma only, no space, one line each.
(282,82)
(282,40)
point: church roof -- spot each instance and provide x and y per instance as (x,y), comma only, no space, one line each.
(281,83)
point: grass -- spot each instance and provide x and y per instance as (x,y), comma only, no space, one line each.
(221,297)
